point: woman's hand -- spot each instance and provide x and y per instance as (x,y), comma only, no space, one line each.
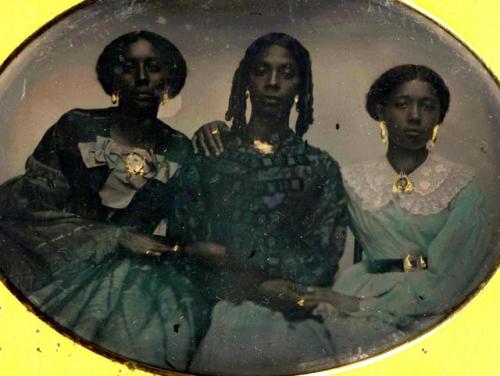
(207,138)
(143,244)
(280,294)
(343,303)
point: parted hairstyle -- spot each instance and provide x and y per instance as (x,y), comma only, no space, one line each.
(390,80)
(237,100)
(112,56)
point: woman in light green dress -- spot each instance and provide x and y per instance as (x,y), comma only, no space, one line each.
(419,218)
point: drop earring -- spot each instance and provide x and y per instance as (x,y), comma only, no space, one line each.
(435,133)
(383,132)
(434,136)
(115,97)
(165,98)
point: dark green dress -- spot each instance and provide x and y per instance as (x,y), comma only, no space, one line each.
(59,242)
(282,214)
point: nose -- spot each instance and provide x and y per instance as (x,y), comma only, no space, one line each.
(142,76)
(273,81)
(414,114)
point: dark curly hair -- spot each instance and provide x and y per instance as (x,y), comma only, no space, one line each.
(390,80)
(169,55)
(237,100)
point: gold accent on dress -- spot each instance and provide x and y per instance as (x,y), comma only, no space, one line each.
(135,164)
(214,131)
(407,263)
(423,264)
(403,184)
(263,147)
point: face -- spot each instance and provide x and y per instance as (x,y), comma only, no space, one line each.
(274,82)
(140,79)
(410,114)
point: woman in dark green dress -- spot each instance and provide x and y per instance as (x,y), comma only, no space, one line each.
(277,205)
(76,229)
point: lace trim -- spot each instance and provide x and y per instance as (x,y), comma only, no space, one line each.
(436,183)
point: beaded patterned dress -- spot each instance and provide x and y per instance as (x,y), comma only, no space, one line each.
(284,214)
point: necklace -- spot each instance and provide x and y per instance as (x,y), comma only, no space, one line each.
(403,184)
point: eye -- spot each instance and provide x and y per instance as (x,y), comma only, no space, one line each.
(402,104)
(429,106)
(259,70)
(128,66)
(153,66)
(288,74)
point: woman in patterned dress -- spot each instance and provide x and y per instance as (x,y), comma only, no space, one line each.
(277,205)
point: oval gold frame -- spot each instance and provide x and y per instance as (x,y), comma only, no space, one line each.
(410,366)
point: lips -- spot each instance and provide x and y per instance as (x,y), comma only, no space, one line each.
(143,96)
(413,133)
(273,101)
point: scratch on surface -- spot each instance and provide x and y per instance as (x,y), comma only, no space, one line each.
(24,89)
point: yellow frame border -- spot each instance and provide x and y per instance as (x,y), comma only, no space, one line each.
(464,345)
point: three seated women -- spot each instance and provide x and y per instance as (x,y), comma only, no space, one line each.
(120,234)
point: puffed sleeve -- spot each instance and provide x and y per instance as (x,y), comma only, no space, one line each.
(458,257)
(188,216)
(43,188)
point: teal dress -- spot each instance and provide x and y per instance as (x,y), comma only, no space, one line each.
(443,220)
(281,212)
(59,230)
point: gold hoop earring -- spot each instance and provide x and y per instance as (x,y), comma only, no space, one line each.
(383,132)
(115,97)
(165,98)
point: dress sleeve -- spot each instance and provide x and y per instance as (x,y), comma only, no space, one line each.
(187,211)
(318,237)
(43,189)
(458,258)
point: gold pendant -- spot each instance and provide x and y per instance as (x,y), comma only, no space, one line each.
(135,164)
(402,184)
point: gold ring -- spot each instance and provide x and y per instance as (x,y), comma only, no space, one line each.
(214,131)
(301,302)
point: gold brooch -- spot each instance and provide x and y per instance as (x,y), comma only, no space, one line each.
(135,164)
(402,184)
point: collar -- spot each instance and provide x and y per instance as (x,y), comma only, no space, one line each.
(435,182)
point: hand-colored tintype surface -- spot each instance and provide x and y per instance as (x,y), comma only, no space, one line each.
(351,206)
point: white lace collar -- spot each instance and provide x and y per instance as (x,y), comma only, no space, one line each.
(436,182)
